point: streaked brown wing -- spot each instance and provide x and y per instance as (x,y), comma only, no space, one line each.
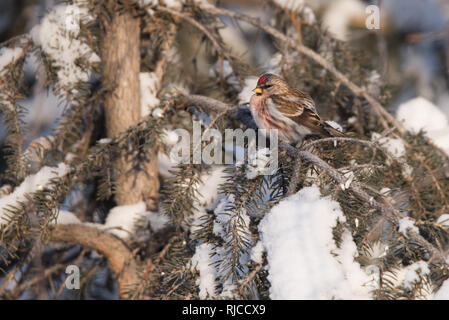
(293,105)
(309,119)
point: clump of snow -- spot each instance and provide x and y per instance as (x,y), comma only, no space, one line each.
(8,56)
(203,262)
(58,36)
(257,252)
(165,165)
(395,147)
(335,125)
(293,5)
(420,114)
(260,163)
(308,15)
(407,224)
(169,137)
(31,184)
(443,292)
(148,92)
(208,190)
(157,220)
(297,236)
(339,15)
(174,4)
(157,113)
(105,141)
(444,219)
(413,273)
(126,219)
(350,176)
(247,91)
(66,217)
(223,218)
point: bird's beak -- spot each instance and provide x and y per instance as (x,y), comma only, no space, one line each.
(258,90)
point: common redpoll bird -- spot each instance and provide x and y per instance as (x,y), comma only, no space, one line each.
(276,105)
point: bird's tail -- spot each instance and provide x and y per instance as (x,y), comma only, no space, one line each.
(330,131)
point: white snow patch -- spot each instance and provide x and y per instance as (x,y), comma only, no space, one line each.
(58,36)
(158,221)
(208,190)
(260,163)
(413,273)
(293,5)
(443,292)
(444,219)
(66,217)
(247,91)
(257,252)
(406,224)
(203,262)
(394,146)
(148,92)
(297,236)
(335,125)
(340,14)
(126,218)
(157,113)
(32,183)
(105,141)
(420,114)
(8,56)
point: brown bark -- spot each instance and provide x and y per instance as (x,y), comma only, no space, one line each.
(121,57)
(120,258)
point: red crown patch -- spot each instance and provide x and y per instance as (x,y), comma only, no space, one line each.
(262,80)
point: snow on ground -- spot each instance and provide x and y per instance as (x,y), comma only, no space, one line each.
(420,114)
(31,184)
(297,236)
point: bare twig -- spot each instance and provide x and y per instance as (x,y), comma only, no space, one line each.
(384,116)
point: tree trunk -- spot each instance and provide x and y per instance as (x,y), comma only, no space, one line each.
(121,58)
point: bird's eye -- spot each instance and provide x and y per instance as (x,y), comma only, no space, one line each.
(267,86)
